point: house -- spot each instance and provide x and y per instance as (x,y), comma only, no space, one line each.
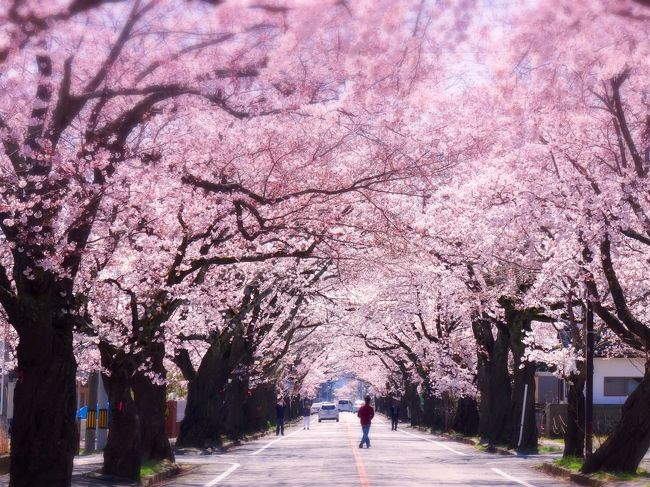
(614,380)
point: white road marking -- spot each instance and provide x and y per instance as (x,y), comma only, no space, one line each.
(274,441)
(234,467)
(441,445)
(510,477)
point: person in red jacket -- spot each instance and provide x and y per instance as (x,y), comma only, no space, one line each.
(366,413)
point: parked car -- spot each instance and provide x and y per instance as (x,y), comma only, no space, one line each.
(345,405)
(328,411)
(315,407)
(357,404)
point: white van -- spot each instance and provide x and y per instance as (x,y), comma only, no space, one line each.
(345,405)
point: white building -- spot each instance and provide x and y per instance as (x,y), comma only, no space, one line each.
(616,378)
(614,381)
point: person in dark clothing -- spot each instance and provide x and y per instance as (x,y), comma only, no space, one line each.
(306,414)
(279,416)
(394,416)
(366,413)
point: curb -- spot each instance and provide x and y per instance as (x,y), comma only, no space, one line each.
(578,478)
(460,439)
(490,448)
(169,470)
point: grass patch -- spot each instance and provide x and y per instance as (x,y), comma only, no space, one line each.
(640,474)
(549,449)
(571,463)
(575,463)
(150,467)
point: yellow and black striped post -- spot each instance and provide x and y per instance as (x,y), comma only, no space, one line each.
(103,419)
(91,419)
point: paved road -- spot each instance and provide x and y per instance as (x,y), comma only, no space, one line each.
(328,454)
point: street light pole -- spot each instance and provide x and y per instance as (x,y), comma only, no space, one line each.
(589,380)
(2,378)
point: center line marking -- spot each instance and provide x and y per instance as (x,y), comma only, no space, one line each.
(441,445)
(510,477)
(361,470)
(234,467)
(274,441)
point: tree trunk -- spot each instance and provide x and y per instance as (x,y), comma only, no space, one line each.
(237,386)
(524,435)
(204,413)
(260,407)
(236,423)
(413,407)
(466,418)
(151,402)
(629,442)
(574,438)
(493,380)
(44,432)
(122,453)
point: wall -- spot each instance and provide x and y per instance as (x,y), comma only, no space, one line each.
(614,367)
(554,419)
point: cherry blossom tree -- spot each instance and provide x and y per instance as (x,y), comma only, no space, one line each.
(76,113)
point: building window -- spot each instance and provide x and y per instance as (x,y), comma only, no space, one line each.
(620,386)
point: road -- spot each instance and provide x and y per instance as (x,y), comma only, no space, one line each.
(328,454)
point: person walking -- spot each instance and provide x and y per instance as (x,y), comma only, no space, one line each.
(365,414)
(394,416)
(306,414)
(279,416)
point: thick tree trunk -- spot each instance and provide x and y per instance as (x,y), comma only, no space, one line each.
(236,423)
(493,382)
(260,407)
(44,431)
(574,438)
(626,446)
(466,418)
(237,386)
(204,413)
(151,402)
(524,435)
(413,406)
(122,453)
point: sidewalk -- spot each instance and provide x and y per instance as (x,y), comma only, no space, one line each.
(82,465)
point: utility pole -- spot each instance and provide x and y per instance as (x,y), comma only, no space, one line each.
(589,380)
(93,384)
(2,377)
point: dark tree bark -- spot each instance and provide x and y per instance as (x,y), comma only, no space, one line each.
(466,419)
(523,436)
(202,425)
(122,453)
(240,357)
(574,438)
(259,407)
(493,381)
(44,432)
(629,442)
(413,405)
(151,402)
